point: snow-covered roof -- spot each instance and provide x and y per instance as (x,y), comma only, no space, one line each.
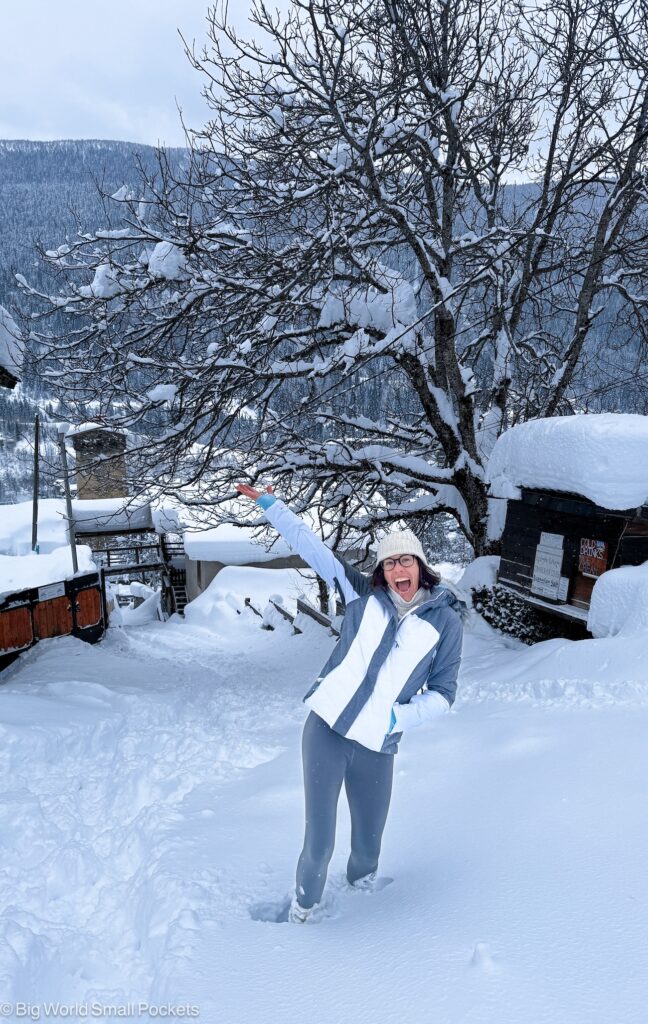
(110,515)
(93,517)
(86,428)
(231,545)
(603,457)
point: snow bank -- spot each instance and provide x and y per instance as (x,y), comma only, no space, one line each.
(152,815)
(219,607)
(20,572)
(619,605)
(567,673)
(16,526)
(602,457)
(482,572)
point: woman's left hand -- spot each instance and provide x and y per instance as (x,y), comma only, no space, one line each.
(252,492)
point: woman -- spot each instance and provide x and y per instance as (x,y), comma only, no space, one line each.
(394,667)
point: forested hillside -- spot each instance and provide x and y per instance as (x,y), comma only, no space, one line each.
(48,192)
(51,190)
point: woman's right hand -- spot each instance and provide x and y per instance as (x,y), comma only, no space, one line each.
(252,492)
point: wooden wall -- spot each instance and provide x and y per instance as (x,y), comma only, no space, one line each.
(73,607)
(575,519)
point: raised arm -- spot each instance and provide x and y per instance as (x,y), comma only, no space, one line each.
(349,581)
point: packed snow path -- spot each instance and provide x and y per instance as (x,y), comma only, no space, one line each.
(152,816)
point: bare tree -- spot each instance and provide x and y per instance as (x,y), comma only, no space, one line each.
(392,239)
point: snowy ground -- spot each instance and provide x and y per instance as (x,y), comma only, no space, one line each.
(152,816)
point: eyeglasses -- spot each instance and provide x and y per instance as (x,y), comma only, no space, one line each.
(405,560)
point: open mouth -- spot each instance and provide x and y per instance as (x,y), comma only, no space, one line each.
(402,586)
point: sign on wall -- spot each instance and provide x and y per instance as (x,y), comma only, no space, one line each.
(547,567)
(593,557)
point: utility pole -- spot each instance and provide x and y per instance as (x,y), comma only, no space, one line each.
(36,485)
(68,503)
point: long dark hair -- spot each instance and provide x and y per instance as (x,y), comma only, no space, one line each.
(427,577)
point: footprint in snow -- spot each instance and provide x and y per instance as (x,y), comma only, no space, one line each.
(276,911)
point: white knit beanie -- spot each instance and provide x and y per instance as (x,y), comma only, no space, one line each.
(401,542)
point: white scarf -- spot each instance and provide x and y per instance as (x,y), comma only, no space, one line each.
(402,606)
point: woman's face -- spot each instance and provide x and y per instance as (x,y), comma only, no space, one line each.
(403,579)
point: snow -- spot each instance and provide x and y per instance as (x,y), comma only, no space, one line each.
(365,306)
(16,526)
(218,607)
(11,344)
(231,545)
(105,284)
(111,514)
(104,513)
(20,572)
(85,428)
(163,393)
(619,605)
(603,457)
(168,261)
(152,815)
(482,572)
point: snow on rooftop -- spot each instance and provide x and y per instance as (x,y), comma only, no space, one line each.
(231,545)
(22,572)
(603,457)
(86,428)
(110,515)
(90,516)
(16,526)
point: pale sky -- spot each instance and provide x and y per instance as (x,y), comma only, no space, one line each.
(74,69)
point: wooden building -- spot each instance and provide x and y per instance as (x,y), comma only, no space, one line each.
(555,546)
(576,489)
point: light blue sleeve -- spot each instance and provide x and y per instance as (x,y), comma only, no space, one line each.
(266,500)
(349,581)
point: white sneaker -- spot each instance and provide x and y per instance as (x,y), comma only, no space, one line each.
(298,914)
(365,884)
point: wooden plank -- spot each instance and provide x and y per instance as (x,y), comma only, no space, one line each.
(16,631)
(88,607)
(582,588)
(308,609)
(513,570)
(287,616)
(136,567)
(575,505)
(248,604)
(52,618)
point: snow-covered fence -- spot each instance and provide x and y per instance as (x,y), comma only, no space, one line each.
(303,608)
(72,607)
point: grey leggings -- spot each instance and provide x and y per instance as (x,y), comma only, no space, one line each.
(330,759)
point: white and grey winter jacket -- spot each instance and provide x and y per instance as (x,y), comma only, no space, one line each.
(379,664)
